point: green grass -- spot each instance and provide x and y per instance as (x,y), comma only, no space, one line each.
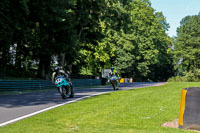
(133,111)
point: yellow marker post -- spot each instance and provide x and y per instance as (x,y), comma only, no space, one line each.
(122,80)
(130,80)
(182,107)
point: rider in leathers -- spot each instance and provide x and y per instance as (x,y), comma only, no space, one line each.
(59,72)
(113,72)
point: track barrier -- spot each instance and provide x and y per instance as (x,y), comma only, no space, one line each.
(189,114)
(20,85)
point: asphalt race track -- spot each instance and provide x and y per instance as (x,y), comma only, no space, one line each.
(16,107)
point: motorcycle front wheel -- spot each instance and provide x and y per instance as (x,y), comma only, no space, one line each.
(62,91)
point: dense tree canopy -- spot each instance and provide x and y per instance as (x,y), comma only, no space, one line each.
(187,47)
(88,35)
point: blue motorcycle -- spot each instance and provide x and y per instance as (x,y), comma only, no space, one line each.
(64,88)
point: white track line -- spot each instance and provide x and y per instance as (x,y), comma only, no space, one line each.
(43,110)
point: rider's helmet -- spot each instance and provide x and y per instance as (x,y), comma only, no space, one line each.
(57,68)
(112,69)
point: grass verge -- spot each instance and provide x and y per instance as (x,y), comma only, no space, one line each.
(133,111)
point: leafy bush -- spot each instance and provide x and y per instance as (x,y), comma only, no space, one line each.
(189,77)
(177,79)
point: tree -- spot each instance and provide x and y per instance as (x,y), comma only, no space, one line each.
(52,31)
(90,34)
(12,24)
(187,45)
(144,41)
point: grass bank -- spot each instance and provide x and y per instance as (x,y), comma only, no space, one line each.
(133,111)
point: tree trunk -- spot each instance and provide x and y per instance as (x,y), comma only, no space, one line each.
(62,60)
(18,58)
(4,58)
(44,67)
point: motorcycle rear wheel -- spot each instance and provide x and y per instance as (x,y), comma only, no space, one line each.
(114,86)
